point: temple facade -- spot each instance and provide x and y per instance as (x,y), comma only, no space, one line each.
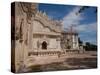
(35,33)
(46,33)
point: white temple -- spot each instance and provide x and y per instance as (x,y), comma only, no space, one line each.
(36,34)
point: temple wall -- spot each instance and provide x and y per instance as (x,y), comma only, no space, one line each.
(75,42)
(23,35)
(18,45)
(52,44)
(31,32)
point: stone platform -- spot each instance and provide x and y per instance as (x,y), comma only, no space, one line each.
(41,58)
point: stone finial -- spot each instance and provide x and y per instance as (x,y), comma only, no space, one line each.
(44,13)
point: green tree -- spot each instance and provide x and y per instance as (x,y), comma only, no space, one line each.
(80,42)
(90,47)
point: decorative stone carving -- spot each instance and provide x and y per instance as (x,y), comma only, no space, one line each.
(29,9)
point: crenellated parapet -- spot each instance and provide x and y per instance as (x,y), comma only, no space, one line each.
(53,24)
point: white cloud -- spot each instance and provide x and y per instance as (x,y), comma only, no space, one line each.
(87,32)
(88,38)
(72,18)
(92,27)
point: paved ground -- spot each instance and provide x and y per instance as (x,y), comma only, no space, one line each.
(46,59)
(63,62)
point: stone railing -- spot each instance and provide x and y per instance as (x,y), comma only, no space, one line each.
(42,53)
(57,53)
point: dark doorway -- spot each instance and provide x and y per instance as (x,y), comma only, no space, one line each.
(44,45)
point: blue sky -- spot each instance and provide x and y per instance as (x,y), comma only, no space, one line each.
(85,22)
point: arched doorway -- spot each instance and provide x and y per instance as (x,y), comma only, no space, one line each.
(44,45)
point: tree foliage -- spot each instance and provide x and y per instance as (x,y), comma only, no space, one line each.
(90,47)
(80,42)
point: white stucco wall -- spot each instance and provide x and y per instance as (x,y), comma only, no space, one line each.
(38,27)
(75,42)
(51,43)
